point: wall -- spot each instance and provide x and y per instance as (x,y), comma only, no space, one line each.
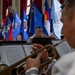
(1,9)
(16,6)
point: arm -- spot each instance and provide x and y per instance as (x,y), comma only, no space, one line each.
(32,70)
(33,65)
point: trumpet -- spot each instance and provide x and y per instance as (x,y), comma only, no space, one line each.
(47,61)
(6,70)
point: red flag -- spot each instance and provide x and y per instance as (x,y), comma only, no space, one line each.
(7,12)
(10,34)
(4,19)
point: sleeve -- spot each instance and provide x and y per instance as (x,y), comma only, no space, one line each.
(65,65)
(32,71)
(30,40)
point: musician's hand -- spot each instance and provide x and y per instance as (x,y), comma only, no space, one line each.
(36,47)
(33,62)
(44,53)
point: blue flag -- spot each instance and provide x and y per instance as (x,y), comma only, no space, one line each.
(35,19)
(1,36)
(16,25)
(24,26)
(7,27)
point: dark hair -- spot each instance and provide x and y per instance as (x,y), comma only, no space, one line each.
(38,27)
(70,3)
(70,7)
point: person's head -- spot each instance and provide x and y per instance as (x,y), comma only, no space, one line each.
(39,31)
(68,19)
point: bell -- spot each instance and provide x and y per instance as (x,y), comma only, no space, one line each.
(2,67)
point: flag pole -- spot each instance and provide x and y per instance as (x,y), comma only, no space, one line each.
(30,14)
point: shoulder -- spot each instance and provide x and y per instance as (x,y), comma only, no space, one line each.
(33,36)
(67,58)
(64,64)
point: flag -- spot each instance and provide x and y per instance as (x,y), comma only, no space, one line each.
(7,28)
(7,12)
(24,26)
(4,19)
(1,36)
(47,19)
(55,16)
(10,34)
(35,19)
(16,25)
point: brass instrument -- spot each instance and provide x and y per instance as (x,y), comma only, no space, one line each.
(7,70)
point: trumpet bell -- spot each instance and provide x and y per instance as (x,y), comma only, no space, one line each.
(4,66)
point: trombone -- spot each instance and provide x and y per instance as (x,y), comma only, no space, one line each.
(7,69)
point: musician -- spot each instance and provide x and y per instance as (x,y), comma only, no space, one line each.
(39,33)
(66,64)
